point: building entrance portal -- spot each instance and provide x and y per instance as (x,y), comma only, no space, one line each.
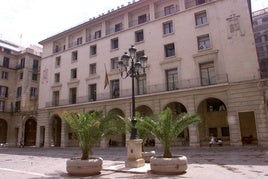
(3,131)
(56,131)
(30,132)
(248,128)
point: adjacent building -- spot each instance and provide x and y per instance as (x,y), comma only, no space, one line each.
(19,85)
(201,59)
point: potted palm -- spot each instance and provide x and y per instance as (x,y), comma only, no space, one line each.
(89,129)
(166,128)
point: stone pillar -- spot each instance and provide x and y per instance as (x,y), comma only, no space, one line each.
(64,134)
(48,133)
(194,135)
(234,128)
(104,143)
(134,154)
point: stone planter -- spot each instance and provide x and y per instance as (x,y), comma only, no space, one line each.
(168,166)
(147,156)
(78,167)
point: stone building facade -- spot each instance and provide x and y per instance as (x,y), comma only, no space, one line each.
(201,59)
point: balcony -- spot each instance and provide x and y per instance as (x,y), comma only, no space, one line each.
(139,21)
(58,49)
(152,89)
(193,3)
(172,10)
(114,30)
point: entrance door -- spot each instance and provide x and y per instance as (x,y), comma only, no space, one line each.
(30,132)
(3,131)
(248,127)
(56,131)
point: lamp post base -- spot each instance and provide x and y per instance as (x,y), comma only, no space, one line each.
(134,154)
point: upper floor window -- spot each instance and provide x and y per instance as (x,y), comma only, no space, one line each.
(17,106)
(34,76)
(142,19)
(118,27)
(114,43)
(114,62)
(139,36)
(203,42)
(115,88)
(141,84)
(6,62)
(20,76)
(19,91)
(22,63)
(169,50)
(168,27)
(73,73)
(79,40)
(55,98)
(72,95)
(4,75)
(93,50)
(33,92)
(58,61)
(35,64)
(172,79)
(200,18)
(207,73)
(3,91)
(57,77)
(92,68)
(169,10)
(74,55)
(97,34)
(2,106)
(92,92)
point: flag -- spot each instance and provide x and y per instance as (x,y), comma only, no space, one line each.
(106,80)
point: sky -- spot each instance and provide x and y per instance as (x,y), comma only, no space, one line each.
(27,22)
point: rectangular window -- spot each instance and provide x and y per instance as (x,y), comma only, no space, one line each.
(22,63)
(92,92)
(213,131)
(35,65)
(139,36)
(201,18)
(114,62)
(169,10)
(114,43)
(168,27)
(72,97)
(170,50)
(207,73)
(33,92)
(115,89)
(73,73)
(4,75)
(225,132)
(97,34)
(19,92)
(17,106)
(3,91)
(92,68)
(34,76)
(141,82)
(2,106)
(6,62)
(79,40)
(56,98)
(203,42)
(142,19)
(93,50)
(118,27)
(172,79)
(74,56)
(20,76)
(57,78)
(58,61)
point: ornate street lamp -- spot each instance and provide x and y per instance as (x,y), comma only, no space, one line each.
(136,68)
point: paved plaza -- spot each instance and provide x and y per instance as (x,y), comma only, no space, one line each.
(216,162)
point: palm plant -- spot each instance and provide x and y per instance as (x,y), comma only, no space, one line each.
(90,128)
(166,128)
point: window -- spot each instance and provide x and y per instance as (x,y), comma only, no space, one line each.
(4,75)
(93,50)
(3,91)
(169,10)
(115,89)
(118,27)
(20,76)
(79,40)
(97,34)
(72,97)
(92,92)
(172,79)
(201,18)
(92,68)
(213,131)
(22,63)
(203,42)
(114,62)
(57,78)
(142,19)
(19,92)
(74,56)
(58,61)
(170,50)
(198,2)
(141,82)
(168,27)
(114,43)
(55,98)
(6,62)
(73,73)
(33,92)
(207,73)
(2,106)
(34,76)
(225,132)
(17,106)
(35,64)
(139,36)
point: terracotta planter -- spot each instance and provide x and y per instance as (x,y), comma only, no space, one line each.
(147,156)
(168,166)
(89,167)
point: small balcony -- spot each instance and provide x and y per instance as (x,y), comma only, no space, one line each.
(164,13)
(193,3)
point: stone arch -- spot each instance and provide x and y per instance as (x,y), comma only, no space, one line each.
(144,110)
(56,123)
(30,132)
(3,131)
(213,113)
(119,139)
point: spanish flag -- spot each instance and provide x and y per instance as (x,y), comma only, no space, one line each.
(106,80)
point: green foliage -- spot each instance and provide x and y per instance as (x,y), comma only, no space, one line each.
(90,128)
(166,129)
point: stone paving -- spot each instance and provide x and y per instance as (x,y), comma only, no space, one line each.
(208,163)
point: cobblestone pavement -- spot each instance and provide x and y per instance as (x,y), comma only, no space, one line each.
(208,163)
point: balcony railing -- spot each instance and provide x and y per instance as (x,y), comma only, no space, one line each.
(193,3)
(139,21)
(166,13)
(114,30)
(58,49)
(158,88)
